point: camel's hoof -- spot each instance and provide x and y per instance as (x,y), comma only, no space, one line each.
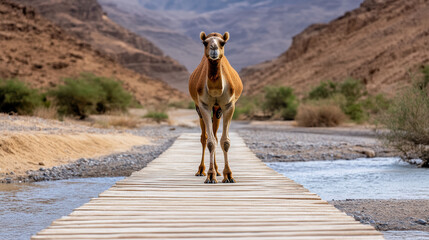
(210,181)
(228,180)
(217,174)
(200,174)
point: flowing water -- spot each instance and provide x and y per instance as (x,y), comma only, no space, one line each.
(26,209)
(366,178)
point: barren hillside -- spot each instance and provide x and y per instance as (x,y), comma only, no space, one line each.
(260,29)
(378,43)
(86,20)
(35,50)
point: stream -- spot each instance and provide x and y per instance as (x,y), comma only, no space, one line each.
(25,209)
(365,178)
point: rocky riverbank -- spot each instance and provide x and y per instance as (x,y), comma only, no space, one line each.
(391,214)
(282,142)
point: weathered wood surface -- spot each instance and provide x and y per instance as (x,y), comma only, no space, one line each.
(166,201)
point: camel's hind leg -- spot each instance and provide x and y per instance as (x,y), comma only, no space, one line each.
(202,167)
(217,114)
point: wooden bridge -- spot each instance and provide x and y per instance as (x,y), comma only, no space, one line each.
(166,201)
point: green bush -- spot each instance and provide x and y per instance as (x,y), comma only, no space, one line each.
(280,100)
(324,90)
(115,96)
(16,96)
(347,94)
(407,122)
(377,104)
(246,107)
(90,94)
(158,116)
(352,89)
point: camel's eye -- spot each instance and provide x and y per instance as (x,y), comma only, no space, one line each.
(205,43)
(222,43)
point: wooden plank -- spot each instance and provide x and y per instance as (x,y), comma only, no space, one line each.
(166,201)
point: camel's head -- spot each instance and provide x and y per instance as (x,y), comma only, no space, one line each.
(213,44)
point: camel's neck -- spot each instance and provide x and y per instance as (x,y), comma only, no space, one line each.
(214,78)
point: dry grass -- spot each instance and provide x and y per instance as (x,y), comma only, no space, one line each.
(24,151)
(319,116)
(46,113)
(120,121)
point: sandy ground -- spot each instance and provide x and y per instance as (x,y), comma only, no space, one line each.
(29,143)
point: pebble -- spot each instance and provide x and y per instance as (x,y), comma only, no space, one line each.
(283,143)
(421,222)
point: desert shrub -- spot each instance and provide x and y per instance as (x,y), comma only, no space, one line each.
(16,96)
(347,94)
(280,100)
(325,89)
(246,107)
(114,97)
(408,124)
(156,115)
(77,97)
(376,104)
(352,89)
(319,115)
(90,94)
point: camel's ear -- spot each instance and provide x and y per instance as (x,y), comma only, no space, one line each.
(226,36)
(203,36)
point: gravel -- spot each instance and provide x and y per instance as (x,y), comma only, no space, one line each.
(390,214)
(284,143)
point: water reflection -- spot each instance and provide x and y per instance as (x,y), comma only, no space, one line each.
(27,208)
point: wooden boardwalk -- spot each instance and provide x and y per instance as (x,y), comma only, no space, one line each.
(166,201)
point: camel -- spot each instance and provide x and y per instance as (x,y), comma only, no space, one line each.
(215,88)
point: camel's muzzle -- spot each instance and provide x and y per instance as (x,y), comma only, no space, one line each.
(214,54)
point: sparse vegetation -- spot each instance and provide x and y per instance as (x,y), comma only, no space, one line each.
(408,121)
(157,115)
(319,115)
(351,96)
(182,104)
(280,101)
(324,90)
(246,107)
(90,94)
(17,97)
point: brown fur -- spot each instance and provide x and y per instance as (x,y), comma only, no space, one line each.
(197,80)
(213,76)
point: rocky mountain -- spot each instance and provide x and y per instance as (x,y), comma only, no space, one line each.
(35,50)
(260,30)
(86,20)
(380,43)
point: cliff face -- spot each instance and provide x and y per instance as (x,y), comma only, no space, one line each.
(86,20)
(379,43)
(37,51)
(259,30)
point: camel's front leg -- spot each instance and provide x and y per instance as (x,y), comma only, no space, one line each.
(211,143)
(225,143)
